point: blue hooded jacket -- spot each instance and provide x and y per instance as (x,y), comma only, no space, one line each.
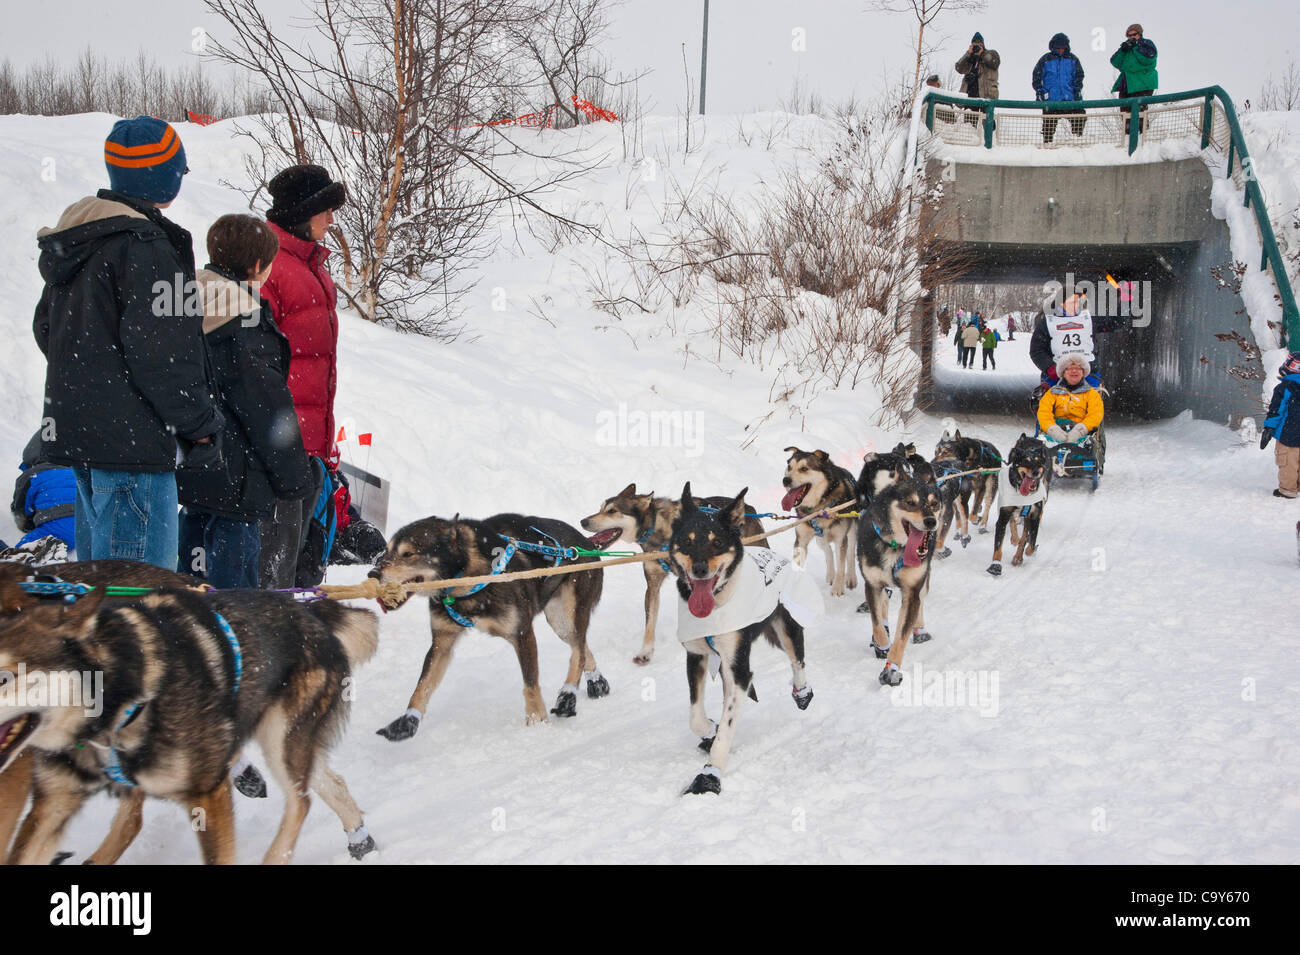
(1282,416)
(1058,76)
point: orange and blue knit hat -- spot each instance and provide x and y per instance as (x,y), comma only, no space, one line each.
(145,159)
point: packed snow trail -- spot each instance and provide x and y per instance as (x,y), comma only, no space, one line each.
(1125,729)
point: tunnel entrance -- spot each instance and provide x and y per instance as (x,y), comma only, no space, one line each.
(1149,227)
(1135,289)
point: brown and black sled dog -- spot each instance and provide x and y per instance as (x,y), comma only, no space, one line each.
(187,680)
(438,549)
(648,520)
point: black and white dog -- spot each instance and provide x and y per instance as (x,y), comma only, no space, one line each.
(1022,495)
(730,596)
(895,549)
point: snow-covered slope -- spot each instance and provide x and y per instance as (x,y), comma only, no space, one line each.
(1138,676)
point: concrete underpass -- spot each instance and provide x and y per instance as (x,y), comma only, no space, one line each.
(1147,223)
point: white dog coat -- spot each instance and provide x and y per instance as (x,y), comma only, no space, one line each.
(762,580)
(1009,494)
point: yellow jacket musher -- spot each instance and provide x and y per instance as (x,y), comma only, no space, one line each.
(1080,403)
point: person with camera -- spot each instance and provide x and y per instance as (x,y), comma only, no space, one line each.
(979,70)
(1136,61)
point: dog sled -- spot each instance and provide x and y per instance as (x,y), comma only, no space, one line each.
(1083,461)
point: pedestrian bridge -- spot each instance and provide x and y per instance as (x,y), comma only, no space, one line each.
(1096,198)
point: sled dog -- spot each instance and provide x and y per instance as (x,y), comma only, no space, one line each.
(1022,495)
(648,520)
(895,548)
(813,483)
(730,595)
(437,549)
(974,496)
(188,678)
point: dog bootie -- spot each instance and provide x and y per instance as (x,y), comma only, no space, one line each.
(891,675)
(404,727)
(882,653)
(708,781)
(597,685)
(995,569)
(921,635)
(250,783)
(802,697)
(360,842)
(946,552)
(566,704)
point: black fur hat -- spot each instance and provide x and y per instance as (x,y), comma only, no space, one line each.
(300,192)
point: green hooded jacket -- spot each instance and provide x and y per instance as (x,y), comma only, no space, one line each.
(1137,68)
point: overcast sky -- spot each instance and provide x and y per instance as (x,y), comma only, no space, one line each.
(848,47)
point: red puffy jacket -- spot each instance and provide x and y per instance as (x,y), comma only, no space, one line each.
(302,298)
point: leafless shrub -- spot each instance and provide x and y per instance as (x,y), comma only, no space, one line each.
(395,107)
(1282,93)
(817,277)
(559,47)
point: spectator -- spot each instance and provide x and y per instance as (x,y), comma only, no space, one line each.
(44,501)
(302,298)
(970,337)
(1011,328)
(265,462)
(979,69)
(990,341)
(1058,78)
(126,380)
(1283,423)
(1136,61)
(933,81)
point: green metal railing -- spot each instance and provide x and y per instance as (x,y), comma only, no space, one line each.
(1133,106)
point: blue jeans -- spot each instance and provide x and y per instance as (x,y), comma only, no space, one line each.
(221,550)
(129,515)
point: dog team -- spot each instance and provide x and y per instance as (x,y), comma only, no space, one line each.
(190,677)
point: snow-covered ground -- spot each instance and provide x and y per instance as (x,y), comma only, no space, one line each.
(1136,685)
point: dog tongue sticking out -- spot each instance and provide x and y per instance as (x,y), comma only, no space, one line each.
(1028,486)
(793,497)
(700,601)
(912,550)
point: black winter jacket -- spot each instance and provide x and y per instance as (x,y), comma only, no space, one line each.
(1040,342)
(127,372)
(261,443)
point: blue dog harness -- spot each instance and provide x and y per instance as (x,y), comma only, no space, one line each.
(893,545)
(498,566)
(662,563)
